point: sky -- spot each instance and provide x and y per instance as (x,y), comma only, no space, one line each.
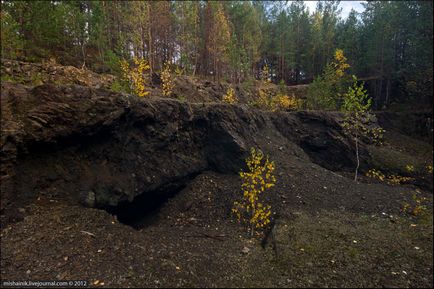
(345,5)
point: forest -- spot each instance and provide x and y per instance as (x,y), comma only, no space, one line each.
(388,44)
(216,144)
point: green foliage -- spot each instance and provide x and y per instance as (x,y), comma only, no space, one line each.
(112,61)
(356,105)
(15,78)
(321,93)
(244,47)
(327,89)
(282,86)
(181,98)
(390,41)
(6,77)
(356,101)
(12,42)
(248,84)
(119,86)
(36,79)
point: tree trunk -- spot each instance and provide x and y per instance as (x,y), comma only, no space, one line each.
(387,92)
(83,53)
(357,156)
(150,46)
(195,63)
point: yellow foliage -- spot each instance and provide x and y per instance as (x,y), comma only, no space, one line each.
(340,63)
(179,71)
(266,100)
(288,103)
(391,179)
(373,173)
(166,80)
(409,168)
(418,207)
(377,134)
(396,179)
(230,96)
(257,180)
(265,75)
(135,75)
(429,169)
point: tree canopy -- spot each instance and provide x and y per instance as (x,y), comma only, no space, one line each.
(391,41)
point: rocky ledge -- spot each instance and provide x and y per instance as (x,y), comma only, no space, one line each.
(100,148)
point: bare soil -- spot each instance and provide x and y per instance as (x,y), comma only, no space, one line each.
(329,232)
(165,176)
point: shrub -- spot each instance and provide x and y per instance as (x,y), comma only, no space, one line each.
(166,80)
(112,60)
(119,86)
(264,100)
(285,102)
(326,90)
(136,75)
(418,208)
(248,83)
(268,101)
(179,71)
(397,179)
(255,181)
(376,134)
(356,104)
(265,74)
(11,42)
(409,168)
(230,96)
(373,173)
(390,179)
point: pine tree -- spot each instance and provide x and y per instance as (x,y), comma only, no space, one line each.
(219,38)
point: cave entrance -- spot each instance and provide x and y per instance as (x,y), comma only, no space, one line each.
(144,210)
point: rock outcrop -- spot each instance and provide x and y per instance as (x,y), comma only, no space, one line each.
(101,148)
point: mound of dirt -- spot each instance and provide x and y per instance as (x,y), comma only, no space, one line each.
(102,148)
(186,88)
(165,173)
(50,72)
(193,241)
(200,90)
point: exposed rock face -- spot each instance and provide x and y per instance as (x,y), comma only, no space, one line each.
(320,135)
(101,148)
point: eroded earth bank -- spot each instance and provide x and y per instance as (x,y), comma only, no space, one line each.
(124,191)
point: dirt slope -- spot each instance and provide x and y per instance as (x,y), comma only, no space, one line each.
(161,176)
(84,143)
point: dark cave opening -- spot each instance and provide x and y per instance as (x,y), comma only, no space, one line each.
(144,210)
